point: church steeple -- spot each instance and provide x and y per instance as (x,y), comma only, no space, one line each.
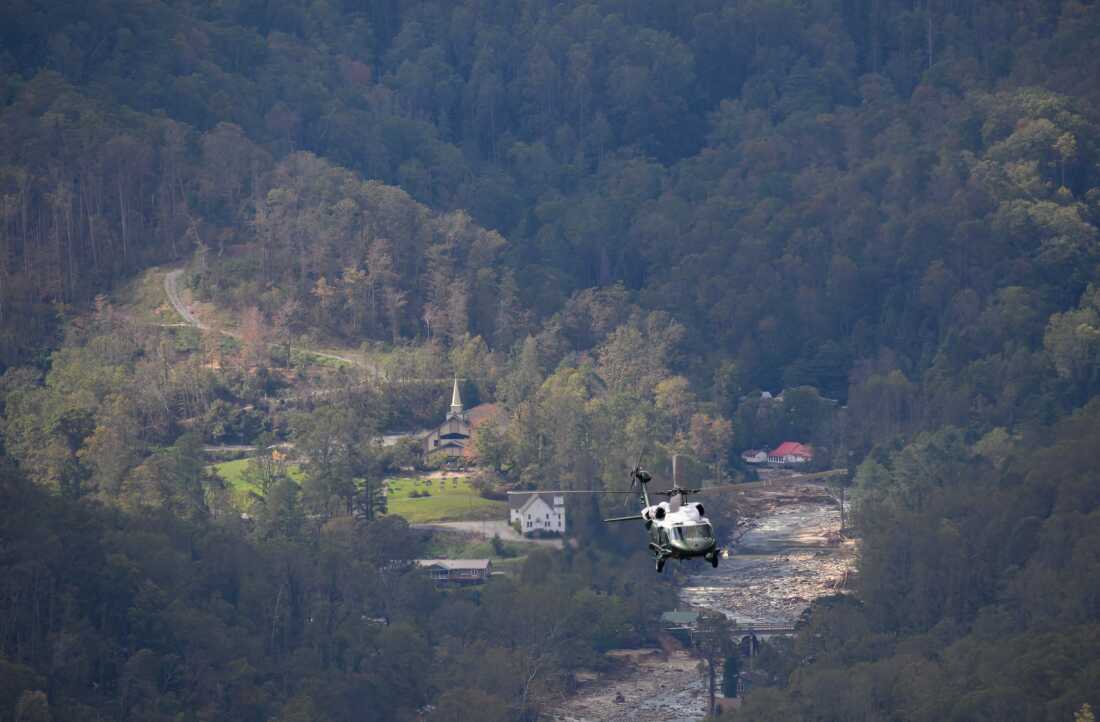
(456,402)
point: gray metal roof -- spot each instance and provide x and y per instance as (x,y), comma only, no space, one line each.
(678,617)
(518,500)
(453,564)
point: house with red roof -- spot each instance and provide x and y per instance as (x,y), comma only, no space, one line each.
(791,452)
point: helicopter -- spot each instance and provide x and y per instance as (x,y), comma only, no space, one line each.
(676,529)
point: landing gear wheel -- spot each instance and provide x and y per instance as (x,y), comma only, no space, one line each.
(660,565)
(713,559)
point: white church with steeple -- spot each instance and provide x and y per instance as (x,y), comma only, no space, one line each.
(453,440)
(450,440)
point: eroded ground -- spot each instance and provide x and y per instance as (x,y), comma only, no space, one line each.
(652,685)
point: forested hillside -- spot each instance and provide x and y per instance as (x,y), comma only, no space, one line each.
(620,220)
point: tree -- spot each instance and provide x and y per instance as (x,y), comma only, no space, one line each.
(281,516)
(525,374)
(1073,341)
(285,321)
(370,499)
(713,642)
(1066,146)
(710,440)
(265,468)
(177,479)
(674,397)
(115,447)
(253,338)
(731,675)
(339,445)
(325,294)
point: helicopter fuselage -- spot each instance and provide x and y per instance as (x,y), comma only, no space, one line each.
(682,533)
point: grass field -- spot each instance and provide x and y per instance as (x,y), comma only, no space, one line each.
(451,499)
(233,474)
(142,298)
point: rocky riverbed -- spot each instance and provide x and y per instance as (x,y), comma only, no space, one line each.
(785,552)
(788,555)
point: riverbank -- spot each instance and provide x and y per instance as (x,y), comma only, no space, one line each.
(785,551)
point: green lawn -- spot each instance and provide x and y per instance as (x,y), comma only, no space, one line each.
(451,499)
(233,474)
(456,545)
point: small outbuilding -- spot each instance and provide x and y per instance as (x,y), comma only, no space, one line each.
(754,456)
(457,571)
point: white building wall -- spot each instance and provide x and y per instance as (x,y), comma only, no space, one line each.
(541,517)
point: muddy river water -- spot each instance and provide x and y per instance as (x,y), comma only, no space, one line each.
(785,557)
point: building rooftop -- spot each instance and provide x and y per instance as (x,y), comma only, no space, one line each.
(453,564)
(678,617)
(520,499)
(792,448)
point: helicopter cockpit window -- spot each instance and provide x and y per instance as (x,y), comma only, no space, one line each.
(700,531)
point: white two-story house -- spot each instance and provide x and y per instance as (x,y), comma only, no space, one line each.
(537,513)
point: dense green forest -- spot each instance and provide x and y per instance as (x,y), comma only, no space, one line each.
(620,220)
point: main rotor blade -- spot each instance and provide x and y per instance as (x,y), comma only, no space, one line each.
(569,491)
(636,517)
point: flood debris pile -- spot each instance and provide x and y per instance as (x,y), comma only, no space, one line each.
(647,685)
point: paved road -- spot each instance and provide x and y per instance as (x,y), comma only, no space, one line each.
(489,529)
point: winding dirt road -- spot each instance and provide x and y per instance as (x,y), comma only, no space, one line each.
(171,289)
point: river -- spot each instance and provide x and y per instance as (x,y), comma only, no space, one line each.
(786,556)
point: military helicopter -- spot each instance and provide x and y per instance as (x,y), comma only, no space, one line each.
(677,530)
